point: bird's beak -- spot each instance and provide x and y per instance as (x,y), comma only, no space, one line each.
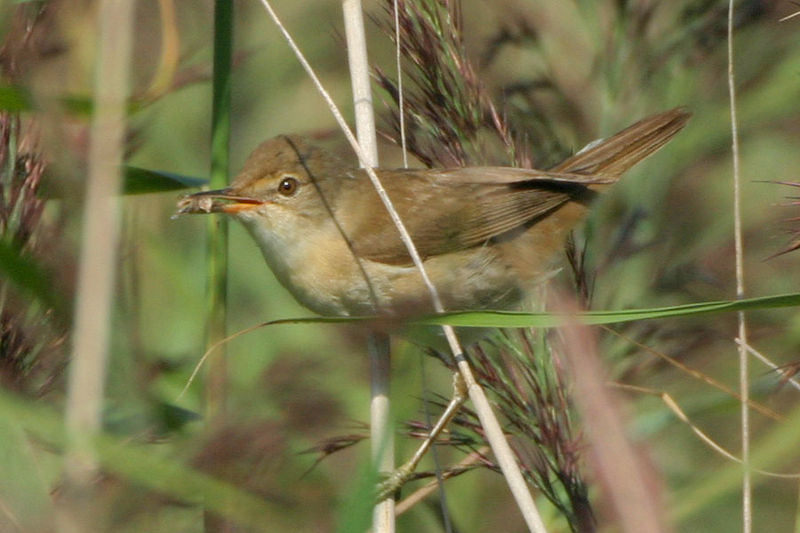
(217,201)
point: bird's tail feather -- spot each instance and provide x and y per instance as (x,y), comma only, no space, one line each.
(610,158)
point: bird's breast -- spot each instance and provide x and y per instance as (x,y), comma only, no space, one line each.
(317,265)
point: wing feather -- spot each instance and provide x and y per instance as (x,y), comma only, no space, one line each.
(492,201)
(456,209)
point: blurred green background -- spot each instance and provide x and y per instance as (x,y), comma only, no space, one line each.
(664,236)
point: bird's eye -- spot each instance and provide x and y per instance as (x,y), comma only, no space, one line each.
(288,186)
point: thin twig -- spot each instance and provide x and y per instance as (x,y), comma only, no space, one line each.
(440,477)
(673,406)
(766,360)
(492,429)
(423,492)
(766,411)
(400,96)
(744,379)
(787,17)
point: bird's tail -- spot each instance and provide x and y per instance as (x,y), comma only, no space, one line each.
(610,158)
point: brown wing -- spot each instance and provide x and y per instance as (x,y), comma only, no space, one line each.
(457,209)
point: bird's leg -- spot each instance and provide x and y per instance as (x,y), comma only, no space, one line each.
(401,475)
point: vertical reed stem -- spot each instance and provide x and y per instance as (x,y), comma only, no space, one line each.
(382,439)
(100,239)
(216,388)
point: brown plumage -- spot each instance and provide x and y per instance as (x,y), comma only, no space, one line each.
(484,233)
